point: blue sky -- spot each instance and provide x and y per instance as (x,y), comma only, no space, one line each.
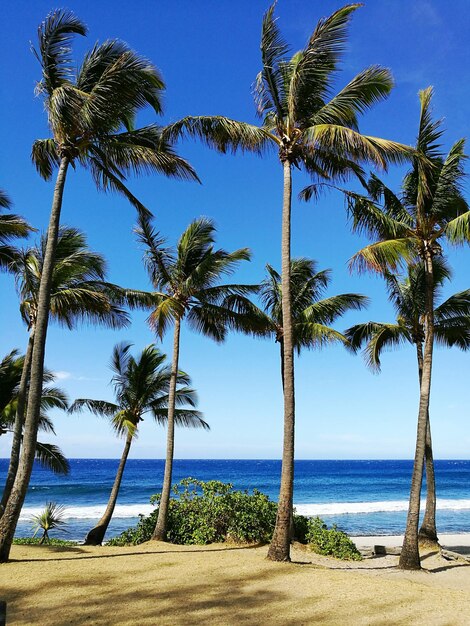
(208,53)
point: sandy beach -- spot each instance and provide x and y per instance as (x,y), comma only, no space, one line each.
(158,583)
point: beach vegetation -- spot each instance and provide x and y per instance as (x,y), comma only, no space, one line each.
(48,455)
(187,288)
(313,130)
(141,386)
(12,227)
(91,113)
(330,541)
(51,518)
(208,512)
(79,293)
(36,541)
(411,227)
(451,328)
(213,512)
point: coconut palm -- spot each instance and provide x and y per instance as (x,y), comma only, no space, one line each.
(48,455)
(52,518)
(451,328)
(311,314)
(11,227)
(310,130)
(411,227)
(141,386)
(79,293)
(186,288)
(91,118)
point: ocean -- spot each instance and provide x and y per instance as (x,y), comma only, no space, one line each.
(361,497)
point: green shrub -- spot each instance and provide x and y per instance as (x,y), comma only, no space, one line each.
(36,541)
(208,512)
(212,512)
(330,541)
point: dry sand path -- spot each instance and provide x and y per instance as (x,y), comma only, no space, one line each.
(161,584)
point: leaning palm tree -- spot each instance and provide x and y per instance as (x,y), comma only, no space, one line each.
(451,328)
(79,293)
(11,227)
(430,209)
(91,117)
(48,455)
(313,131)
(186,288)
(141,386)
(311,314)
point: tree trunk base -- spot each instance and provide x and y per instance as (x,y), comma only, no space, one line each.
(409,562)
(428,542)
(278,553)
(95,536)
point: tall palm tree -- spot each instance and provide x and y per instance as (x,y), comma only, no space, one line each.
(11,227)
(49,455)
(311,131)
(311,314)
(451,328)
(430,209)
(186,288)
(91,118)
(141,386)
(79,293)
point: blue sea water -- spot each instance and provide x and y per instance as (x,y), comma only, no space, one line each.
(361,497)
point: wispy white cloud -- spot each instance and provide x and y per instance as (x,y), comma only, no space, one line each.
(62,375)
(69,376)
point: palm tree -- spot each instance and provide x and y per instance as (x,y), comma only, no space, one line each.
(79,293)
(141,386)
(52,518)
(186,283)
(451,328)
(11,227)
(49,455)
(310,130)
(430,209)
(91,118)
(311,315)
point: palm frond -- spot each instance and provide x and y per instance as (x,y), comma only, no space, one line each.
(384,255)
(55,35)
(45,157)
(221,133)
(269,86)
(366,89)
(101,408)
(52,458)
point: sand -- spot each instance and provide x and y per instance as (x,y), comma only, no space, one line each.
(161,584)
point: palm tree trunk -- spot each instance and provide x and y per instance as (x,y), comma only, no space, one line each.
(409,558)
(159,534)
(96,535)
(279,549)
(18,427)
(12,511)
(428,532)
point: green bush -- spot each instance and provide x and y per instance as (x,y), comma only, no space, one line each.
(208,512)
(330,541)
(212,512)
(36,541)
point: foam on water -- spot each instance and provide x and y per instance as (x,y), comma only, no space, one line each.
(92,512)
(390,506)
(124,511)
